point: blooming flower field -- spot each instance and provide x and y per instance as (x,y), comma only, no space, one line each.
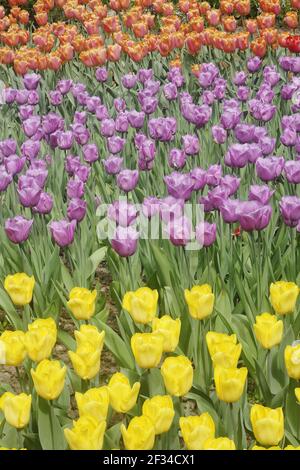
(150,217)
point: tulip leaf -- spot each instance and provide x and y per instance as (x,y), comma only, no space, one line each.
(95,259)
(7,306)
(50,432)
(264,387)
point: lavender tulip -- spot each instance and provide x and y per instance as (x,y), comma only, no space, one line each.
(292,171)
(76,209)
(290,210)
(18,229)
(260,193)
(90,153)
(177,158)
(75,188)
(179,185)
(115,144)
(127,180)
(252,215)
(206,233)
(269,168)
(113,165)
(122,212)
(124,241)
(63,232)
(45,204)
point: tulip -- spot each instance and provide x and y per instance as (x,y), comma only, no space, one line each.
(147,349)
(139,435)
(290,210)
(283,296)
(196,430)
(113,165)
(63,232)
(267,425)
(200,301)
(230,383)
(219,443)
(16,409)
(160,411)
(127,180)
(40,339)
(177,373)
(121,395)
(86,434)
(268,330)
(90,153)
(44,205)
(101,74)
(76,209)
(292,360)
(214,339)
(14,351)
(20,288)
(94,403)
(124,241)
(206,233)
(225,354)
(89,334)
(253,215)
(169,329)
(49,379)
(141,304)
(18,229)
(82,303)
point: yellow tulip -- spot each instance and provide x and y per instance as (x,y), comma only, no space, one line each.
(213,339)
(297,393)
(160,411)
(200,301)
(40,339)
(292,447)
(292,361)
(170,331)
(141,304)
(87,434)
(196,430)
(268,330)
(147,349)
(122,396)
(86,361)
(219,443)
(82,303)
(94,402)
(139,435)
(89,334)
(49,379)
(226,355)
(267,425)
(177,373)
(16,409)
(14,351)
(20,288)
(263,448)
(230,383)
(283,296)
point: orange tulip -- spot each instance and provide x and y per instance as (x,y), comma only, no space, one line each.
(251,26)
(114,52)
(229,23)
(291,19)
(193,43)
(259,47)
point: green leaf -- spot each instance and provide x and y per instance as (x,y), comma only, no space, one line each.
(50,432)
(96,258)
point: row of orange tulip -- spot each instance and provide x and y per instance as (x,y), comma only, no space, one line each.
(136,32)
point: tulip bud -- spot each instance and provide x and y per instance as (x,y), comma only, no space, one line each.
(93,403)
(14,351)
(268,330)
(140,434)
(49,379)
(147,349)
(82,303)
(16,409)
(292,361)
(20,288)
(169,329)
(230,383)
(40,339)
(141,304)
(196,430)
(200,301)
(160,411)
(178,374)
(122,396)
(86,434)
(283,296)
(267,424)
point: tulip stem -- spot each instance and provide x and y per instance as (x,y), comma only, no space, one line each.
(20,438)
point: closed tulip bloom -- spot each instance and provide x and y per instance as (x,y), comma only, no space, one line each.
(267,425)
(268,330)
(20,288)
(214,339)
(18,229)
(40,339)
(160,411)
(127,180)
(226,355)
(297,393)
(45,204)
(283,296)
(178,375)
(89,334)
(82,303)
(13,347)
(141,304)
(290,210)
(139,435)
(86,361)
(196,430)
(219,443)
(86,434)
(230,383)
(147,349)
(76,209)
(292,361)
(94,402)
(16,409)
(63,232)
(269,168)
(169,329)
(200,301)
(49,379)
(125,241)
(206,233)
(121,395)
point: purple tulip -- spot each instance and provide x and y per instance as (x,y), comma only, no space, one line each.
(65,140)
(14,164)
(55,98)
(102,113)
(72,163)
(121,122)
(175,76)
(144,75)
(269,168)
(93,103)
(206,202)
(208,97)
(29,191)
(150,207)
(63,232)
(180,231)
(177,158)
(260,193)
(44,205)
(136,119)
(80,133)
(125,240)
(129,81)
(230,183)
(265,93)
(122,212)
(206,233)
(199,177)
(115,144)
(10,95)
(52,122)
(243,93)
(252,215)
(18,229)
(267,144)
(170,91)
(288,137)
(237,155)
(113,165)
(228,210)
(8,147)
(119,104)
(214,175)
(107,127)
(90,153)
(290,210)
(271,76)
(101,74)
(244,133)
(22,96)
(75,189)
(292,171)
(149,104)
(219,134)
(162,129)
(76,209)
(254,64)
(83,172)
(230,118)
(240,78)
(170,208)
(151,87)
(64,86)
(179,185)
(31,81)
(80,117)
(147,150)
(25,112)
(39,175)
(191,144)
(127,180)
